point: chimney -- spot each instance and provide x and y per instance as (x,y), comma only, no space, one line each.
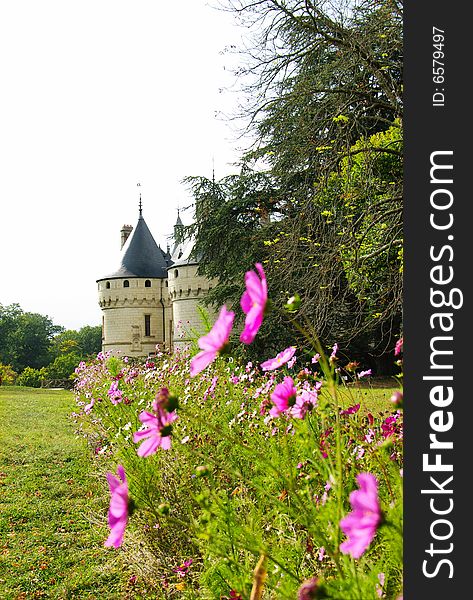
(125,234)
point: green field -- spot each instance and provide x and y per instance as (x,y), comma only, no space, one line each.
(53,503)
(48,498)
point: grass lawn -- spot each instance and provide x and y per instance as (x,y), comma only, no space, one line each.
(48,547)
(374,394)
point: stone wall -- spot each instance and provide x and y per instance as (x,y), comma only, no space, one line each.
(171,305)
(186,289)
(124,310)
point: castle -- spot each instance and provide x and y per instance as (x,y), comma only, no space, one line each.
(151,300)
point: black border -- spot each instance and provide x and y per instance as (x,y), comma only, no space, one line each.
(430,128)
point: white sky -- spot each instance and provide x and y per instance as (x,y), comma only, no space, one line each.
(96,96)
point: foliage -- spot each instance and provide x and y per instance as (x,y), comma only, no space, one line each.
(85,342)
(25,338)
(30,340)
(228,227)
(319,78)
(30,377)
(63,366)
(319,197)
(350,235)
(239,484)
(7,374)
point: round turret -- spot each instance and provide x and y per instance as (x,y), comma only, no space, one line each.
(186,290)
(134,299)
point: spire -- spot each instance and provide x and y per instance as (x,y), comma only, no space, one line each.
(178,220)
(178,231)
(140,205)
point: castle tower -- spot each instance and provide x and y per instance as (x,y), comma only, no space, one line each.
(186,289)
(134,299)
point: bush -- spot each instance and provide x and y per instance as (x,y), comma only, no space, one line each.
(268,481)
(7,374)
(30,377)
(239,487)
(63,366)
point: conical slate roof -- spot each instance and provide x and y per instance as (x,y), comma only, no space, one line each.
(141,256)
(182,254)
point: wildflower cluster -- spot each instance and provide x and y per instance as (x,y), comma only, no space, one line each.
(227,463)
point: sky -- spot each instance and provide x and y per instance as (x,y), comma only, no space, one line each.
(96,97)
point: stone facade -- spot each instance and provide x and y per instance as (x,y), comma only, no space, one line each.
(186,289)
(134,318)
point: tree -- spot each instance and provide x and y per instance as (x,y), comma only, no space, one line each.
(26,337)
(8,319)
(90,340)
(324,89)
(85,342)
(63,366)
(230,219)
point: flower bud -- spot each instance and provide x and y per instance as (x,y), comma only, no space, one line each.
(309,589)
(165,400)
(397,399)
(164,508)
(202,471)
(293,304)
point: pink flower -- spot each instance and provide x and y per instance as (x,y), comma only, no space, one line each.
(399,347)
(88,407)
(115,393)
(158,431)
(362,374)
(390,426)
(308,589)
(165,400)
(283,397)
(118,511)
(253,302)
(333,356)
(280,359)
(397,399)
(361,524)
(212,343)
(181,570)
(305,402)
(351,410)
(380,585)
(315,358)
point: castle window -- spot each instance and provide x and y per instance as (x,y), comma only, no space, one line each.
(147,283)
(126,283)
(147,325)
(176,273)
(107,285)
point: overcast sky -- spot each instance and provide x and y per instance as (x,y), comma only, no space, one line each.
(97,96)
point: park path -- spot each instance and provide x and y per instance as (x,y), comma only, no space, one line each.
(48,547)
